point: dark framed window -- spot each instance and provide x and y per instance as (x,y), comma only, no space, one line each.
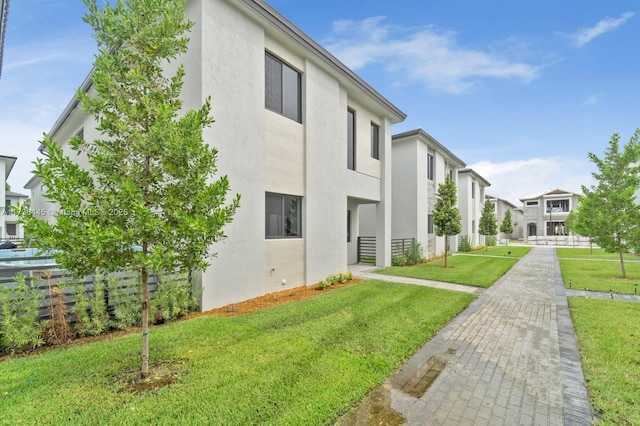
(348,226)
(430,165)
(282,88)
(12,229)
(473,190)
(429,224)
(375,141)
(283,216)
(351,139)
(532,203)
(557,206)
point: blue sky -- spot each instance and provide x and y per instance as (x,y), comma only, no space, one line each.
(520,91)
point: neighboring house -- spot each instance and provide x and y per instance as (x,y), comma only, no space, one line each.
(4,13)
(13,229)
(420,163)
(544,214)
(517,217)
(302,138)
(40,206)
(471,195)
(6,165)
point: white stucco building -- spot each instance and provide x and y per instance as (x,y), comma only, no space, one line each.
(420,164)
(471,196)
(304,140)
(6,165)
(501,206)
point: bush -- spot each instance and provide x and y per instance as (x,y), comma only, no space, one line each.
(91,309)
(491,240)
(57,329)
(172,299)
(342,277)
(410,256)
(126,299)
(465,245)
(20,328)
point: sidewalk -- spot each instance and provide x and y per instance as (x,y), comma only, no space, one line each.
(509,359)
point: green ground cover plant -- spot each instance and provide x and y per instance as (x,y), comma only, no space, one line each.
(304,362)
(599,275)
(607,334)
(478,271)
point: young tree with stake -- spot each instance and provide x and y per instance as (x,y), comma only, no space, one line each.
(149,201)
(446,215)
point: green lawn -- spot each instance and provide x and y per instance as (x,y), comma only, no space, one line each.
(474,270)
(514,251)
(597,253)
(600,275)
(608,338)
(305,362)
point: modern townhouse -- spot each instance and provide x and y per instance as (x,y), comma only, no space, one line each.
(517,217)
(6,165)
(420,164)
(544,214)
(13,228)
(303,139)
(471,195)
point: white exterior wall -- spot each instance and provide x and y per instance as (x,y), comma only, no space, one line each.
(3,177)
(261,151)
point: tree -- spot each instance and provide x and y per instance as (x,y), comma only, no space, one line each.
(488,225)
(608,212)
(506,226)
(7,187)
(446,215)
(150,201)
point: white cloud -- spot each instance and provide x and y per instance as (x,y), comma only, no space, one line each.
(593,99)
(427,55)
(513,180)
(585,35)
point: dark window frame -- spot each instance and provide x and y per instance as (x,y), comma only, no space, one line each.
(351,139)
(375,141)
(430,223)
(279,95)
(286,225)
(430,167)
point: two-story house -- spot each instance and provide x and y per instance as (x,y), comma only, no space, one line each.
(6,165)
(544,214)
(13,228)
(302,138)
(517,217)
(471,196)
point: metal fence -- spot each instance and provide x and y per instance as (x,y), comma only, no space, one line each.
(367,248)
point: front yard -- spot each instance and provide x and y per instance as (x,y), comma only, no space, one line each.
(306,362)
(598,271)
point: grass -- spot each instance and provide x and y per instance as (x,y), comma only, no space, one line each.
(596,253)
(515,251)
(461,269)
(608,334)
(599,275)
(305,362)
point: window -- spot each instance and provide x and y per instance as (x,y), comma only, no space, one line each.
(348,226)
(351,139)
(283,218)
(11,229)
(532,203)
(429,166)
(282,88)
(7,207)
(473,190)
(375,141)
(473,226)
(555,228)
(557,206)
(430,224)
(450,174)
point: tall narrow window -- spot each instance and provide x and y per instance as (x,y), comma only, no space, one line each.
(283,216)
(351,139)
(348,226)
(430,224)
(429,166)
(375,141)
(473,190)
(282,88)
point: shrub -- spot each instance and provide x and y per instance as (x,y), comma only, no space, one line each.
(57,329)
(465,245)
(172,299)
(126,299)
(91,309)
(410,256)
(20,328)
(491,240)
(342,277)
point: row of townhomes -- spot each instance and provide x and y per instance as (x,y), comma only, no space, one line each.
(308,144)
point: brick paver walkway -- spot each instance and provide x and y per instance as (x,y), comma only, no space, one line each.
(508,359)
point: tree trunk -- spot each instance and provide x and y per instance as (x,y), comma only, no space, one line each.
(144,277)
(446,249)
(624,272)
